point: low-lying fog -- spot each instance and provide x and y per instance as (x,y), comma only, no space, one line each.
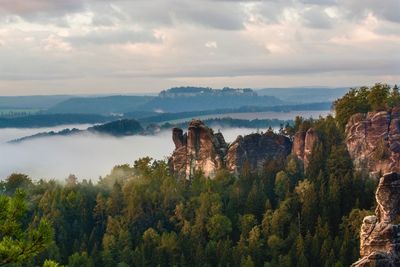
(88,156)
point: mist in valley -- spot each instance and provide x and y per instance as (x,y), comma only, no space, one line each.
(86,155)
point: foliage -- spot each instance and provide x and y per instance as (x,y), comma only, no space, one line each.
(361,100)
(19,242)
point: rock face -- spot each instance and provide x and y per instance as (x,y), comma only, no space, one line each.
(379,236)
(202,149)
(303,144)
(373,141)
(198,149)
(257,149)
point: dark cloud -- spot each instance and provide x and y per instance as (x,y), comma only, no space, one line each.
(31,8)
(219,15)
(384,9)
(226,15)
(316,18)
(319,2)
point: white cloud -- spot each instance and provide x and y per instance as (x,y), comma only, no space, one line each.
(211,44)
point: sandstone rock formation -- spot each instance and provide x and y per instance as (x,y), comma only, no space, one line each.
(257,149)
(198,149)
(380,236)
(373,141)
(202,149)
(303,144)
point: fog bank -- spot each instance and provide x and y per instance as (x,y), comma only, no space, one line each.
(87,155)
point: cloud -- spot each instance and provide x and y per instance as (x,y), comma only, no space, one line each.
(316,17)
(76,45)
(114,37)
(37,8)
(385,9)
(211,44)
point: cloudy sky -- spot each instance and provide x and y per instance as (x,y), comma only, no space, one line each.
(117,46)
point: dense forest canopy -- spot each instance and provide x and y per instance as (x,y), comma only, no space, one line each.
(140,215)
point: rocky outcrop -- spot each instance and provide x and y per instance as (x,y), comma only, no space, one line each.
(202,149)
(303,144)
(257,149)
(373,141)
(198,149)
(380,236)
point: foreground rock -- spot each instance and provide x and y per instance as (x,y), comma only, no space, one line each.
(373,141)
(202,149)
(380,236)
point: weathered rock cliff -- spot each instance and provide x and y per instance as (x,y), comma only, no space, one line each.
(303,144)
(373,141)
(257,149)
(201,149)
(380,236)
(198,149)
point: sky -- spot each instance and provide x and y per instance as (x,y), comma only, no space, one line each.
(137,46)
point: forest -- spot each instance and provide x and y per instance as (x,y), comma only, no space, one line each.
(140,215)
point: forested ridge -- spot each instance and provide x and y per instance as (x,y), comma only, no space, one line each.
(140,215)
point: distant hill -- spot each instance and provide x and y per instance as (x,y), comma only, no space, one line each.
(178,99)
(100,105)
(183,99)
(302,95)
(31,102)
(118,128)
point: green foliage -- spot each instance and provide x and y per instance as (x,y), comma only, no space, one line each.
(50,263)
(378,96)
(361,100)
(16,180)
(19,242)
(219,226)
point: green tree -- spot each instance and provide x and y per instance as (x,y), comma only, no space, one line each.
(80,259)
(378,96)
(219,226)
(20,242)
(15,181)
(394,99)
(355,101)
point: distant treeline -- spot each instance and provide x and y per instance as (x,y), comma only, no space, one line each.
(233,123)
(191,114)
(47,120)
